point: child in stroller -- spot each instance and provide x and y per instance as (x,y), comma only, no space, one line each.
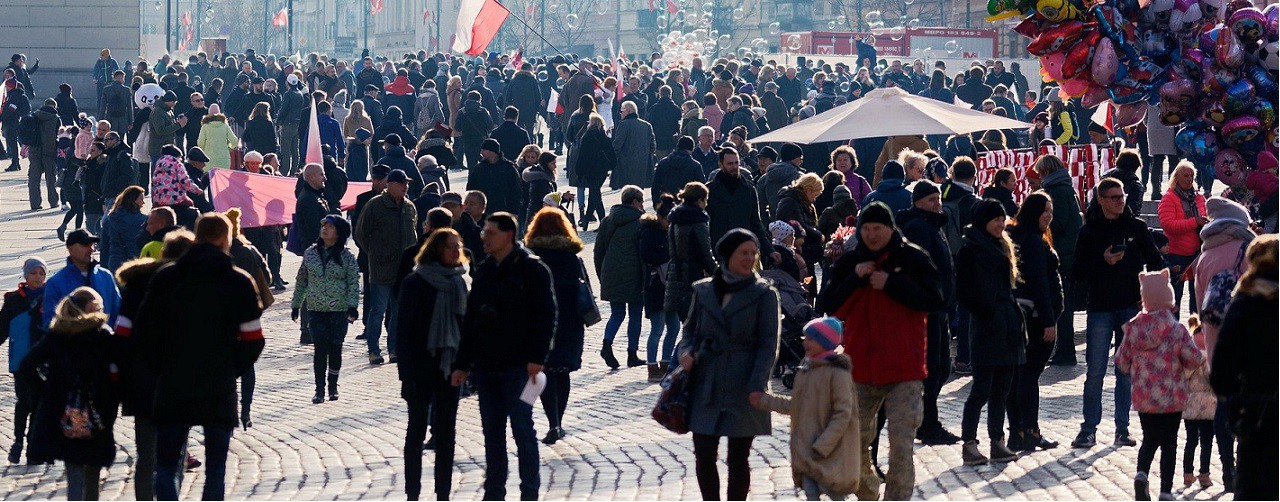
(786,270)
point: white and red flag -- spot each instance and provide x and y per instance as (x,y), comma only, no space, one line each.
(478,23)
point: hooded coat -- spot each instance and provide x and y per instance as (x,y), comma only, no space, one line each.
(522,92)
(771,184)
(674,172)
(79,352)
(617,256)
(596,159)
(842,207)
(689,242)
(664,115)
(825,429)
(924,229)
(539,183)
(560,255)
(500,183)
(393,122)
(1158,351)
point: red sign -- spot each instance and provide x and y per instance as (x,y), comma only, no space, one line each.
(968,43)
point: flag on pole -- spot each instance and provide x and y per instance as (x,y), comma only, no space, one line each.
(1104,117)
(478,23)
(281,19)
(314,155)
(617,69)
(516,59)
(652,7)
(672,8)
(375,6)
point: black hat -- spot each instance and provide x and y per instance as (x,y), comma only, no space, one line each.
(439,217)
(392,139)
(936,167)
(370,87)
(730,242)
(686,143)
(258,80)
(791,151)
(922,189)
(195,154)
(986,210)
(491,145)
(769,152)
(81,236)
(893,171)
(340,224)
(876,212)
(380,171)
(397,176)
(169,97)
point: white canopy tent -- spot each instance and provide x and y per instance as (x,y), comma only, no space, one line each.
(888,112)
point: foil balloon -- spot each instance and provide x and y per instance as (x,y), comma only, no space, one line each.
(1051,65)
(1184,16)
(1209,37)
(1160,10)
(1203,148)
(1080,55)
(1229,167)
(1238,98)
(1155,43)
(1214,115)
(1230,51)
(1262,80)
(1248,24)
(1029,27)
(1216,79)
(1240,130)
(1186,134)
(1129,114)
(1057,11)
(1105,63)
(1093,96)
(1055,37)
(1179,93)
(1211,11)
(1127,91)
(1073,87)
(147,95)
(1269,55)
(1272,14)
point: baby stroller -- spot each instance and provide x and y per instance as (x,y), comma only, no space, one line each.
(796,312)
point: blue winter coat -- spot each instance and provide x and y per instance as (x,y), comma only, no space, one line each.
(68,279)
(119,237)
(893,193)
(18,322)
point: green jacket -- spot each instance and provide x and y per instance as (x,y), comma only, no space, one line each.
(384,231)
(163,127)
(327,287)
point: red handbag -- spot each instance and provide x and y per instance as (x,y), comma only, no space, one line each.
(237,158)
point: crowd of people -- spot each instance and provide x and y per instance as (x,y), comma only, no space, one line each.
(749,261)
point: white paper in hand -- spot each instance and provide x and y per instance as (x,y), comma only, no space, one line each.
(533,388)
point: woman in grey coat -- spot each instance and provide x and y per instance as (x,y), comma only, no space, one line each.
(622,273)
(689,241)
(730,345)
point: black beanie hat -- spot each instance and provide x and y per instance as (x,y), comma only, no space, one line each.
(791,151)
(893,171)
(986,210)
(876,212)
(195,154)
(340,225)
(769,152)
(730,242)
(922,189)
(491,145)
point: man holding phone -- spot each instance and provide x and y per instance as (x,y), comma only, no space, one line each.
(1113,248)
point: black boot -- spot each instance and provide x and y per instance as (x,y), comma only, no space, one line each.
(333,385)
(633,360)
(606,352)
(319,397)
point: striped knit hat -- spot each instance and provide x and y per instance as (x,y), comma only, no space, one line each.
(827,331)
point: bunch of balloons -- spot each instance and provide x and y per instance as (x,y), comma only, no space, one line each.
(1209,65)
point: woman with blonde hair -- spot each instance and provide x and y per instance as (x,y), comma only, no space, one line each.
(453,94)
(357,118)
(79,352)
(552,238)
(795,203)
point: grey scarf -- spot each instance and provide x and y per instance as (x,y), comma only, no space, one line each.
(1188,200)
(444,335)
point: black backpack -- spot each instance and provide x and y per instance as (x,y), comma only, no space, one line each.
(29,130)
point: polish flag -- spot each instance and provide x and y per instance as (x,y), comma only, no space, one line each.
(516,59)
(281,19)
(478,23)
(375,6)
(672,8)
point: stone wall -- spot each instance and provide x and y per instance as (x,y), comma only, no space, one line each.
(66,36)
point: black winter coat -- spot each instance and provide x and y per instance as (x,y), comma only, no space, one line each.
(793,207)
(396,158)
(655,253)
(1114,287)
(392,124)
(596,158)
(79,354)
(983,287)
(260,136)
(310,209)
(1041,282)
(216,304)
(664,115)
(523,93)
(511,314)
(68,110)
(560,255)
(1003,195)
(689,243)
(539,183)
(512,138)
(415,363)
(674,172)
(1133,188)
(137,377)
(924,229)
(732,203)
(500,183)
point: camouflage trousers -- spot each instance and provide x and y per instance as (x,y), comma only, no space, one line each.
(904,409)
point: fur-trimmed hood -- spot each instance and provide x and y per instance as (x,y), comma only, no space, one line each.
(137,269)
(556,242)
(90,322)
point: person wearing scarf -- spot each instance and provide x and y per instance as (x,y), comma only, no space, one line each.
(328,288)
(433,300)
(1182,215)
(730,347)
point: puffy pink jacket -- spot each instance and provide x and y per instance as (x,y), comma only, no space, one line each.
(1182,230)
(1221,252)
(1158,351)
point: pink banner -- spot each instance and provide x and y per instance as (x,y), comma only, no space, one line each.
(264,199)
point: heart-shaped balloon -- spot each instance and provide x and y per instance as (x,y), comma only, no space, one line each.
(1248,24)
(1240,130)
(1229,167)
(1230,53)
(1129,114)
(1105,63)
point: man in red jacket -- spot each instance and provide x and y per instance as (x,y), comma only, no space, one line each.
(883,290)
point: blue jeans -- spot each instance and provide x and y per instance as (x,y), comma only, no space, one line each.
(499,392)
(1099,328)
(671,322)
(617,312)
(380,304)
(170,439)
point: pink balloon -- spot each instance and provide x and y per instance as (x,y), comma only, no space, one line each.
(1095,95)
(1240,130)
(1129,114)
(1230,50)
(1105,63)
(1051,64)
(1230,167)
(1074,88)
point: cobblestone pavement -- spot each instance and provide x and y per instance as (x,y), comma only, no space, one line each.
(351,448)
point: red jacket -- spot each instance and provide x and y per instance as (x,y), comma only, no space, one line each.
(1183,231)
(884,329)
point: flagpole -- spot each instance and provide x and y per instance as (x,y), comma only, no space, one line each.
(526,25)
